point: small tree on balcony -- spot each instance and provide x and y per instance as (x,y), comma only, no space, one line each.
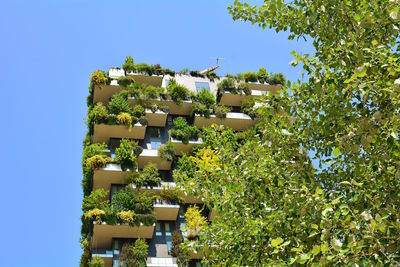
(134,255)
(195,222)
(177,92)
(129,64)
(96,261)
(124,154)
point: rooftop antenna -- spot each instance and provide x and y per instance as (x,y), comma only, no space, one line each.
(214,67)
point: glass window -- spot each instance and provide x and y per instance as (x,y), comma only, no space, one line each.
(115,189)
(158,229)
(167,230)
(169,246)
(201,85)
(155,138)
(166,82)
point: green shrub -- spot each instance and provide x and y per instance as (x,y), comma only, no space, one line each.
(129,64)
(134,255)
(221,111)
(152,92)
(124,119)
(147,177)
(227,84)
(195,222)
(211,75)
(171,195)
(93,149)
(250,76)
(277,78)
(95,214)
(127,217)
(134,90)
(123,200)
(124,154)
(166,151)
(244,88)
(87,253)
(169,72)
(96,199)
(177,250)
(205,97)
(118,104)
(125,81)
(146,219)
(182,131)
(96,261)
(248,107)
(144,68)
(138,111)
(96,162)
(201,109)
(98,78)
(177,92)
(262,75)
(143,205)
(98,114)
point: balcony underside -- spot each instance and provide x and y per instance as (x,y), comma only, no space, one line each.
(236,121)
(111,174)
(104,233)
(151,156)
(166,212)
(156,119)
(104,93)
(103,132)
(233,100)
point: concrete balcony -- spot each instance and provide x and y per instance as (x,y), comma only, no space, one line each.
(235,120)
(165,211)
(235,100)
(105,177)
(151,155)
(103,132)
(156,119)
(104,93)
(163,185)
(264,87)
(181,148)
(184,109)
(104,233)
(144,78)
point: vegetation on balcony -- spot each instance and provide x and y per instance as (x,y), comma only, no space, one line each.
(170,195)
(177,92)
(195,222)
(96,261)
(125,154)
(143,68)
(178,250)
(260,76)
(167,151)
(230,85)
(98,78)
(129,64)
(184,132)
(148,177)
(134,255)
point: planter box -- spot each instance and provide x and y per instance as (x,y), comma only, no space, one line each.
(181,148)
(103,132)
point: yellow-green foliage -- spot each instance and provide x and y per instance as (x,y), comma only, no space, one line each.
(127,216)
(96,261)
(206,159)
(85,245)
(98,78)
(195,222)
(95,214)
(124,118)
(96,162)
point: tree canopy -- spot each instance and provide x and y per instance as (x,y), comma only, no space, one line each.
(274,207)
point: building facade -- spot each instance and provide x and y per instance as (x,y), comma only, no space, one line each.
(154,139)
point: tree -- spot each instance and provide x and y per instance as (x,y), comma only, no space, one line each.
(134,255)
(96,261)
(274,207)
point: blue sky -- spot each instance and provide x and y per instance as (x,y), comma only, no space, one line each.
(48,50)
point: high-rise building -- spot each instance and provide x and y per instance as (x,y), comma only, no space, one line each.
(141,120)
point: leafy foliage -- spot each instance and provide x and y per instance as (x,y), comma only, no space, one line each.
(221,111)
(96,261)
(250,76)
(147,177)
(124,118)
(124,154)
(129,64)
(95,214)
(123,200)
(87,253)
(167,151)
(96,199)
(182,131)
(127,216)
(262,75)
(177,92)
(134,255)
(195,222)
(205,97)
(98,114)
(98,78)
(118,104)
(97,162)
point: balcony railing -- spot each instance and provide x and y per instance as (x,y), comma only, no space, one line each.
(151,155)
(235,120)
(104,233)
(103,132)
(181,148)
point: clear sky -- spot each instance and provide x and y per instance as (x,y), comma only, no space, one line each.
(48,50)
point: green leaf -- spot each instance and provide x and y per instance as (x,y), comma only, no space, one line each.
(276,242)
(315,250)
(336,152)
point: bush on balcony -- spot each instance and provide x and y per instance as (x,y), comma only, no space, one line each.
(152,92)
(250,76)
(244,88)
(127,217)
(98,114)
(221,111)
(195,222)
(124,154)
(118,104)
(134,255)
(262,75)
(125,81)
(97,215)
(144,68)
(138,111)
(186,167)
(166,151)
(182,131)
(201,109)
(277,78)
(177,92)
(96,162)
(149,176)
(211,75)
(129,64)
(171,195)
(98,78)
(205,97)
(248,108)
(124,118)
(123,200)
(85,258)
(178,251)
(96,261)
(227,84)
(96,199)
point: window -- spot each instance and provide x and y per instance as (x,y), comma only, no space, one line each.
(166,82)
(167,230)
(155,138)
(158,229)
(201,85)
